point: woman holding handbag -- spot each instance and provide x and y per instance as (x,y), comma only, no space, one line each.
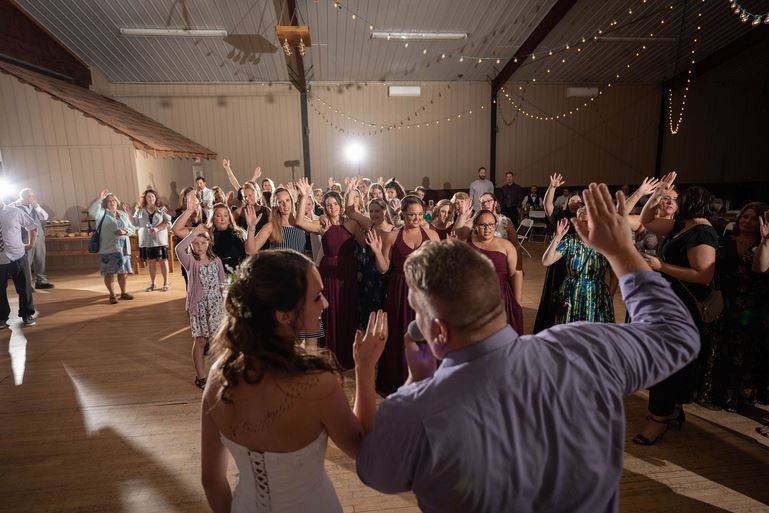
(113,228)
(687,259)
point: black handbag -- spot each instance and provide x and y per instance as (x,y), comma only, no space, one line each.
(94,242)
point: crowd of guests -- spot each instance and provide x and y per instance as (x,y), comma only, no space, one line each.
(340,280)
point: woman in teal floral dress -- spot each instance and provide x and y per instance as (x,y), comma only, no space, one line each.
(584,294)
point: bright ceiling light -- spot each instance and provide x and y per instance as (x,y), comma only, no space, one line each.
(419,36)
(354,152)
(7,189)
(156,32)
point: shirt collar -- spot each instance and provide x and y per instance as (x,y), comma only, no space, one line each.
(503,337)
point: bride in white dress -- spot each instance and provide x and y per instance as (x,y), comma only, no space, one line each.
(271,404)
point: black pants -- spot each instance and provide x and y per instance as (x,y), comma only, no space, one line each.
(16,270)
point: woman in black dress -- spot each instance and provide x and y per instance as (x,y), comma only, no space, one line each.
(687,259)
(739,337)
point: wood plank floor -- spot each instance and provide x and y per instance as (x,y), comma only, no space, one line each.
(98,413)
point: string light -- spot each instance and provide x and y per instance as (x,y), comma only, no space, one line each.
(380,129)
(416,113)
(675,127)
(479,59)
(746,15)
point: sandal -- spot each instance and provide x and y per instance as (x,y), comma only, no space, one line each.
(112,300)
(165,288)
(126,295)
(150,288)
(200,383)
(640,439)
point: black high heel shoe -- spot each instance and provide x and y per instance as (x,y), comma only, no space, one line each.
(640,439)
(680,418)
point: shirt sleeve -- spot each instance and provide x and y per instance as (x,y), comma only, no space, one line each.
(565,246)
(41,213)
(389,455)
(661,339)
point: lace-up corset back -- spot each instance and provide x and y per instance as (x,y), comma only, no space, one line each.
(282,482)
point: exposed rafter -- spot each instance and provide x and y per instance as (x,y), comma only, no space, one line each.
(287,15)
(548,23)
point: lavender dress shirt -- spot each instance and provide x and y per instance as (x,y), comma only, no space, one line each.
(533,423)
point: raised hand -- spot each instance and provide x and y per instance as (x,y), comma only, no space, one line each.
(561,228)
(103,194)
(226,164)
(380,181)
(368,347)
(199,229)
(257,173)
(305,187)
(666,183)
(763,227)
(251,217)
(374,240)
(606,229)
(193,203)
(648,186)
(556,180)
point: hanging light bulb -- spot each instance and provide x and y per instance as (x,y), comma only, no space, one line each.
(301,47)
(371,27)
(479,61)
(286,47)
(443,56)
(461,59)
(756,21)
(498,61)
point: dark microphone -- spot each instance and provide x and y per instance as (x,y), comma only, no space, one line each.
(414,333)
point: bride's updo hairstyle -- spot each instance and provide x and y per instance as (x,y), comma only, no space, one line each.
(248,345)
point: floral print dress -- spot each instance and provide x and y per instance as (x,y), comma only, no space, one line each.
(210,312)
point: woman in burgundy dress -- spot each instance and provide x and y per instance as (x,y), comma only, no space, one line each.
(391,250)
(338,271)
(503,255)
(443,218)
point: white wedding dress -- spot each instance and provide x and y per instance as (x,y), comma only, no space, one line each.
(283,482)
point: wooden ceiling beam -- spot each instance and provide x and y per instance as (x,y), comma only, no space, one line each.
(756,36)
(287,15)
(548,23)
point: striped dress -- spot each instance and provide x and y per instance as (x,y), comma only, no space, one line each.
(584,294)
(296,239)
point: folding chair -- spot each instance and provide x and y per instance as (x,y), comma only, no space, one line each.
(523,236)
(540,223)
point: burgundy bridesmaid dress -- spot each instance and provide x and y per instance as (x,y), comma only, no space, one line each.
(442,234)
(392,365)
(512,308)
(340,286)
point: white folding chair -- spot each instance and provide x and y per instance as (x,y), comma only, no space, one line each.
(539,220)
(523,236)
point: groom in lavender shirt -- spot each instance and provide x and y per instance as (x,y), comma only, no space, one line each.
(521,423)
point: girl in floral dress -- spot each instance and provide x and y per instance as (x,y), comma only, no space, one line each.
(205,293)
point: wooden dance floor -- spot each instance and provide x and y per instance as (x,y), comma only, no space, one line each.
(98,413)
